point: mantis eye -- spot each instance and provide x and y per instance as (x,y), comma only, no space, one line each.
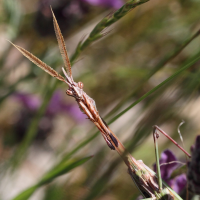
(69,92)
(80,85)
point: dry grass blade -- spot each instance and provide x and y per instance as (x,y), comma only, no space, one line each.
(61,44)
(39,63)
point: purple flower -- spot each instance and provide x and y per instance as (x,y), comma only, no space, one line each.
(31,102)
(106,3)
(193,174)
(179,182)
(57,105)
(75,112)
(69,13)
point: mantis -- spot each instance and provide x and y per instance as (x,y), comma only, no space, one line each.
(150,184)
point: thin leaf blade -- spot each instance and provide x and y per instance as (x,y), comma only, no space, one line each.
(58,170)
(61,169)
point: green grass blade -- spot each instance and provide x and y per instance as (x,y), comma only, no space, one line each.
(186,66)
(174,53)
(12,88)
(101,183)
(32,131)
(58,170)
(27,193)
(14,15)
(105,22)
(159,66)
(80,146)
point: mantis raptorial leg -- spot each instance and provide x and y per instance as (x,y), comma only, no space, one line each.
(160,181)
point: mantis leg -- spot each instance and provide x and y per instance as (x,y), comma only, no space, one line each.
(166,135)
(155,137)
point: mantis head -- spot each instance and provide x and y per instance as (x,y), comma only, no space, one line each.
(75,89)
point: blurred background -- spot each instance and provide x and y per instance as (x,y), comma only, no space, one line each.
(40,125)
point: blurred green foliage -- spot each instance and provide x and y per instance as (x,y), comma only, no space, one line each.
(150,44)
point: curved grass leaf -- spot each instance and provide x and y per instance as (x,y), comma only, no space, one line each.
(191,62)
(80,146)
(97,32)
(32,130)
(167,58)
(27,193)
(58,170)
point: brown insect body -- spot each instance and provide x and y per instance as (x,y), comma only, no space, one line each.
(88,106)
